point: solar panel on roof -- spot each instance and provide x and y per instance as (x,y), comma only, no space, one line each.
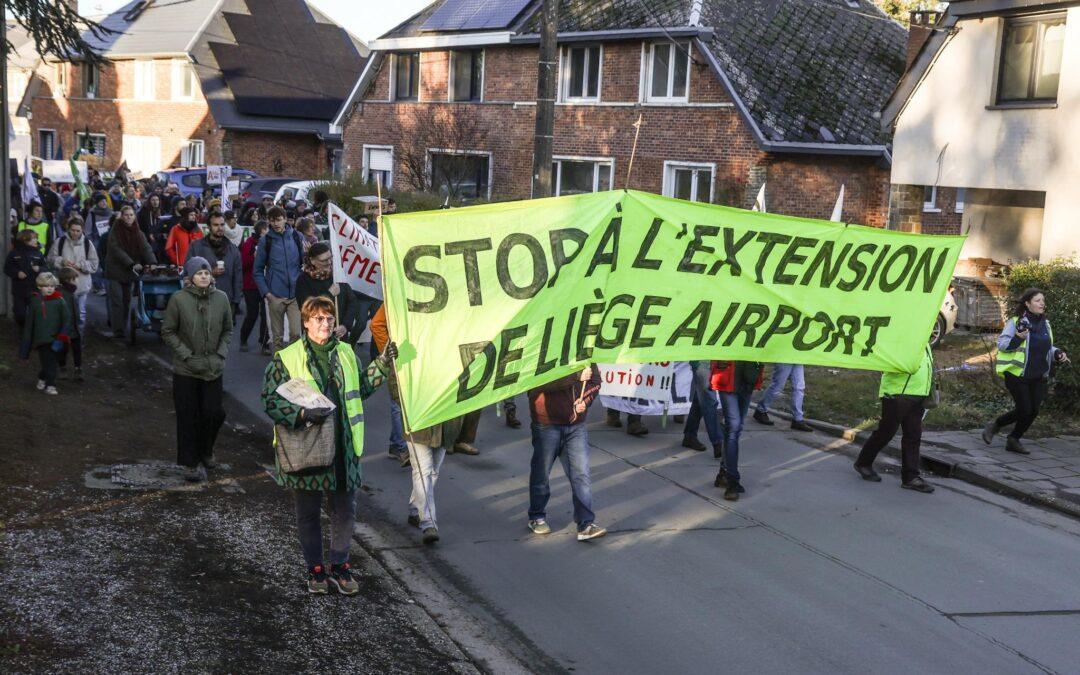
(475,14)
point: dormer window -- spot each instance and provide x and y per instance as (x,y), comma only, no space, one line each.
(669,72)
(407,76)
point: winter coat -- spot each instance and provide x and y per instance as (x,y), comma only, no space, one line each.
(247,260)
(82,253)
(97,223)
(155,227)
(48,319)
(731,376)
(197,328)
(70,293)
(176,246)
(277,263)
(119,264)
(232,281)
(24,259)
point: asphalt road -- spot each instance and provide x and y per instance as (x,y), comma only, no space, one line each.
(812,571)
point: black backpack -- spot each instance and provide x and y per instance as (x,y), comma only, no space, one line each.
(60,246)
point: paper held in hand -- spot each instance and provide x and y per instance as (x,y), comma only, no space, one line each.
(304,395)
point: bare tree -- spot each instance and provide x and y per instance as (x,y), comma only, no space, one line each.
(428,129)
(56,28)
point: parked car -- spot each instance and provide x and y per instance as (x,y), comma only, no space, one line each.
(300,189)
(192,181)
(262,187)
(946,320)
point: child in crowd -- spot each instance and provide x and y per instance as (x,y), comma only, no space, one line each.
(69,288)
(48,321)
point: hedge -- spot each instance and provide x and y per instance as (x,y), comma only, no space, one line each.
(1060,279)
(342,190)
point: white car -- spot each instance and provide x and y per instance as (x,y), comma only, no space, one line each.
(946,320)
(300,189)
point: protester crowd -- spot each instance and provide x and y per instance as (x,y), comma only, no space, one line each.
(268,265)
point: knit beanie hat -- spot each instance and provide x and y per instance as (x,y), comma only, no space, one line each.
(195,264)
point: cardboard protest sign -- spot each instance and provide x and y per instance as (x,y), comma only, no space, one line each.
(637,380)
(356,254)
(217,174)
(675,398)
(488,301)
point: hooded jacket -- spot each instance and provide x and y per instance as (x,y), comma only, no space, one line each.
(197,328)
(180,239)
(277,263)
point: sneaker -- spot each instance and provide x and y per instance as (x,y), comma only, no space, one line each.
(465,449)
(243,346)
(591,531)
(396,453)
(341,578)
(316,580)
(613,419)
(721,478)
(78,375)
(1014,445)
(989,431)
(918,485)
(414,520)
(511,419)
(762,417)
(636,428)
(539,526)
(693,443)
(800,425)
(51,391)
(867,473)
(430,536)
(41,385)
(734,489)
(195,474)
(405,461)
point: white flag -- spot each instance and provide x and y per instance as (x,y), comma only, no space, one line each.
(839,208)
(759,203)
(29,188)
(356,254)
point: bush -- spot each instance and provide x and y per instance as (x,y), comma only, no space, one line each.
(341,192)
(1060,279)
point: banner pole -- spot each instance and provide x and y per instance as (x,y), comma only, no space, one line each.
(633,150)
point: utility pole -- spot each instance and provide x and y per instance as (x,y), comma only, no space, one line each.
(5,179)
(547,76)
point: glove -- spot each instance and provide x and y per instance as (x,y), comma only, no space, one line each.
(388,354)
(316,415)
(57,346)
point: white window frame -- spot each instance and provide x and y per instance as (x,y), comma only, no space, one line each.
(144,80)
(930,206)
(103,137)
(961,195)
(650,61)
(556,177)
(446,151)
(41,151)
(194,143)
(180,68)
(451,78)
(565,74)
(88,68)
(669,178)
(365,156)
(419,78)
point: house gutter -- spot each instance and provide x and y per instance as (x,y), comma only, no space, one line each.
(372,67)
(695,32)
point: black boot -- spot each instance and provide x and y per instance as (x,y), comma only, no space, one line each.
(511,419)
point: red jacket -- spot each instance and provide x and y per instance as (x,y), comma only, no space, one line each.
(725,374)
(247,262)
(176,247)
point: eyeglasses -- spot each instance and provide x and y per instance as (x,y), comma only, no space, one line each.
(324,319)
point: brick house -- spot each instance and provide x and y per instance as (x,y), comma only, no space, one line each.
(996,157)
(731,94)
(250,83)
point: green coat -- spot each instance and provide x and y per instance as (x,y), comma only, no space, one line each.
(47,319)
(197,328)
(283,412)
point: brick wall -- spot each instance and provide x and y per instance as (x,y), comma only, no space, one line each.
(710,130)
(906,212)
(269,154)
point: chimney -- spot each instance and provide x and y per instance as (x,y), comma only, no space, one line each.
(920,27)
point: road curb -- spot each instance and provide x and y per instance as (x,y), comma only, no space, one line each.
(943,466)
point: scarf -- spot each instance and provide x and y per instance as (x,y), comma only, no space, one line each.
(219,247)
(234,234)
(129,238)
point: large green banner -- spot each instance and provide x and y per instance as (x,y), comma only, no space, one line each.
(489,301)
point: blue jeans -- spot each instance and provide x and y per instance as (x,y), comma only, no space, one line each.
(703,407)
(780,375)
(570,442)
(736,405)
(397,428)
